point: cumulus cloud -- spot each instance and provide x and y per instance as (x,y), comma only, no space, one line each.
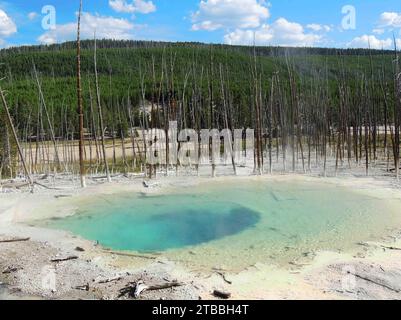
(32,15)
(7,25)
(229,14)
(318,27)
(378,31)
(281,32)
(105,27)
(136,6)
(390,19)
(263,35)
(371,41)
(245,22)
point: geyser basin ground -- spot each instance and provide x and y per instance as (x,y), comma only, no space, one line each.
(236,223)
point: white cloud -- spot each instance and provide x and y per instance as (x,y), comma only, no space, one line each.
(388,22)
(314,27)
(318,27)
(230,14)
(263,35)
(282,32)
(378,31)
(136,6)
(32,15)
(105,27)
(390,19)
(7,25)
(371,41)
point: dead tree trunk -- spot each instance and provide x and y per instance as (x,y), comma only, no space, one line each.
(80,102)
(10,123)
(100,110)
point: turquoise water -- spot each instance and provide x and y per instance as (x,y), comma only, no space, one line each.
(158,223)
(239,221)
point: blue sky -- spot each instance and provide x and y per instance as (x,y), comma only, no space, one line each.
(276,22)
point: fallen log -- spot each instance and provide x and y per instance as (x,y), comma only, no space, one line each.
(149,185)
(363,244)
(166,285)
(20,185)
(135,289)
(15,185)
(11,270)
(391,248)
(62,196)
(139,288)
(107,280)
(133,255)
(14,240)
(105,177)
(375,282)
(64,259)
(224,277)
(44,186)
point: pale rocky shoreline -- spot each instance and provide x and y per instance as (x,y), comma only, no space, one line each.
(374,272)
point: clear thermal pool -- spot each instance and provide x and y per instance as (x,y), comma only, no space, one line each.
(241,222)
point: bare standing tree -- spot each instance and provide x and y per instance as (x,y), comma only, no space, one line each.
(43,102)
(80,102)
(10,123)
(100,110)
(397,110)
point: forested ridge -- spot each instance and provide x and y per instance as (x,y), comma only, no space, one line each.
(120,64)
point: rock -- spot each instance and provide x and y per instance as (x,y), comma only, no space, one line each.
(11,269)
(221,294)
(84,287)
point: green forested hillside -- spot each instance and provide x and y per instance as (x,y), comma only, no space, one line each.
(169,67)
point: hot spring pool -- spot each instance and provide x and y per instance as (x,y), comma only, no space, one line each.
(241,222)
